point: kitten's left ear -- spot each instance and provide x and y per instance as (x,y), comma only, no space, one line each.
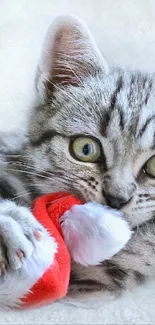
(69,55)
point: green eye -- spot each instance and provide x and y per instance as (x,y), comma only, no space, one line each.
(150,167)
(86,149)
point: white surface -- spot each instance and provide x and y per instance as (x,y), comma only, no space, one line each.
(125,31)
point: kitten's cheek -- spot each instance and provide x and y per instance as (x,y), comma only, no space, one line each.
(94,233)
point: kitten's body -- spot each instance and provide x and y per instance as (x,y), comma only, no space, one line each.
(116,107)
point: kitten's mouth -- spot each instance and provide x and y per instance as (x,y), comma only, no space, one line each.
(79,195)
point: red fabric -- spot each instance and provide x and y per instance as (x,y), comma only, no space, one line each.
(53,284)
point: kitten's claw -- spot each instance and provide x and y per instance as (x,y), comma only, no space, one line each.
(38,235)
(20,254)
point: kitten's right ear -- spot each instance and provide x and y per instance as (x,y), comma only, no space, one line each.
(69,55)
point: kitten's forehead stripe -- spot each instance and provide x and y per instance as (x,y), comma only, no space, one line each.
(104,123)
(113,99)
(145,126)
(122,119)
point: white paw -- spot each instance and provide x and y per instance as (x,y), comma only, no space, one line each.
(94,233)
(19,232)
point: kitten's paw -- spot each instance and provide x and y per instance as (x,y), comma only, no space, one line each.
(20,232)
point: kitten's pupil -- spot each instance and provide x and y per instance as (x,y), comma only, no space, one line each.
(86,149)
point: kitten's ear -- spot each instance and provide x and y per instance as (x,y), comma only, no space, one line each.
(69,55)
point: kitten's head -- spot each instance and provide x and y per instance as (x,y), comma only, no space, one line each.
(92,130)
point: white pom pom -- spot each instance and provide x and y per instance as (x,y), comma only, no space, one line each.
(94,233)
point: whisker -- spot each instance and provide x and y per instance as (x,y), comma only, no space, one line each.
(145,207)
(29,173)
(40,172)
(59,172)
(42,176)
(19,163)
(22,194)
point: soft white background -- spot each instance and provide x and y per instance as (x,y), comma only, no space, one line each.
(125,32)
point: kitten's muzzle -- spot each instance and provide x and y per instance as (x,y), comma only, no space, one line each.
(116,202)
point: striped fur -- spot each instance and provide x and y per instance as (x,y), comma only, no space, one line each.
(78,95)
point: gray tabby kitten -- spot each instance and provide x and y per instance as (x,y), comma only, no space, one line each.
(91,132)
